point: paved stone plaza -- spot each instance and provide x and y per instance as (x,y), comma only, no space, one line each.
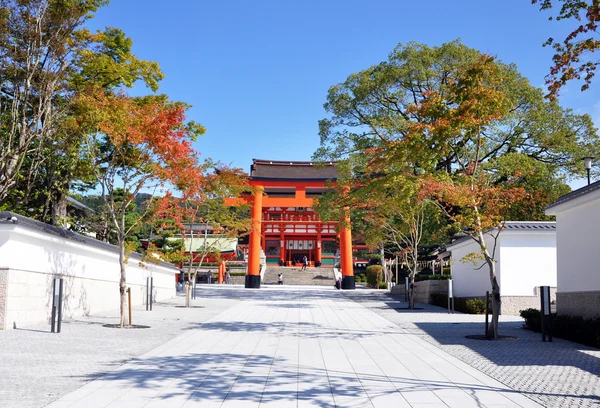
(291,346)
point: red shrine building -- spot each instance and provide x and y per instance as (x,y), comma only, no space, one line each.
(284,224)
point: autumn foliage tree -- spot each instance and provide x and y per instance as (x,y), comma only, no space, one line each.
(202,203)
(139,144)
(473,133)
(573,59)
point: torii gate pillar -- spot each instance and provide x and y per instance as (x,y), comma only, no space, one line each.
(346,261)
(253,275)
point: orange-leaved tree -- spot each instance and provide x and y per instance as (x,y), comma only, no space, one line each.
(200,209)
(471,196)
(573,58)
(138,144)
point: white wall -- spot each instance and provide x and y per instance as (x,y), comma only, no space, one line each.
(467,281)
(524,260)
(578,244)
(32,259)
(528,260)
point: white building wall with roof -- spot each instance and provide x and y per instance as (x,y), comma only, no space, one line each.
(525,259)
(31,257)
(578,242)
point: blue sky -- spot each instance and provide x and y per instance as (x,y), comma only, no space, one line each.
(257,73)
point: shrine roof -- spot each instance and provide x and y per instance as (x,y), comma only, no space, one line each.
(292,170)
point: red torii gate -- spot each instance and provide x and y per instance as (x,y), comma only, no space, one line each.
(269,179)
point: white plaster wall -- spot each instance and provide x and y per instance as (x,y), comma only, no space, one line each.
(578,243)
(469,282)
(528,261)
(34,258)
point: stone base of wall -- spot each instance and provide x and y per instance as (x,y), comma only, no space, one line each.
(424,290)
(237,280)
(512,305)
(584,304)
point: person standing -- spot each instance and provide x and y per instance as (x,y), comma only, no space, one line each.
(209,277)
(304,262)
(227,276)
(280,278)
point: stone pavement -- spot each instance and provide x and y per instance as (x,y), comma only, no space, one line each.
(295,347)
(37,367)
(557,374)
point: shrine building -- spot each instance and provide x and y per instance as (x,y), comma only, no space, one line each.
(284,224)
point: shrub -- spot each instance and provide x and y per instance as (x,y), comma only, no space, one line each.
(360,278)
(474,306)
(382,285)
(419,278)
(573,328)
(237,273)
(374,276)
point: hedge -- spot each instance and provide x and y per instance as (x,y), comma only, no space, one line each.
(469,306)
(420,278)
(374,276)
(572,328)
(382,285)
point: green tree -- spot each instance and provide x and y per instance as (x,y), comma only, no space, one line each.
(378,111)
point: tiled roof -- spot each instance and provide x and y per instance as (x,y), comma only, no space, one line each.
(530,225)
(7,217)
(517,226)
(576,194)
(271,169)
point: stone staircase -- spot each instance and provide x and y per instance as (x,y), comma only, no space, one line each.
(296,276)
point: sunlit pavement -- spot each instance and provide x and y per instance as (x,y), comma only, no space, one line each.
(295,347)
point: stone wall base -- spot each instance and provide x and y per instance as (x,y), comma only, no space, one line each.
(584,304)
(424,290)
(512,305)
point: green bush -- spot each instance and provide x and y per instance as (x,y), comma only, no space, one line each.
(420,278)
(382,285)
(469,306)
(237,273)
(360,278)
(374,276)
(572,328)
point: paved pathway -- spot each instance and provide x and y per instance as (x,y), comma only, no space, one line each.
(558,374)
(37,367)
(291,347)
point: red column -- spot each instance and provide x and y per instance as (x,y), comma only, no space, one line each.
(281,245)
(346,254)
(318,253)
(221,271)
(253,275)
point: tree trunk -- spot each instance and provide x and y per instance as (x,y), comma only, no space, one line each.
(495,300)
(122,280)
(383,265)
(411,287)
(59,210)
(493,331)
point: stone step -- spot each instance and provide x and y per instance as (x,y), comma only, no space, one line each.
(296,276)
